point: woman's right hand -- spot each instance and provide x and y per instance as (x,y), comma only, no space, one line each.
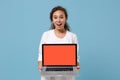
(40,65)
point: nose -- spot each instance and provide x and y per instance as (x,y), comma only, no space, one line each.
(58,19)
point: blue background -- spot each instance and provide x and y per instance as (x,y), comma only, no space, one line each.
(96,23)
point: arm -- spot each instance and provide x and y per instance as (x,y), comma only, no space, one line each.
(42,41)
(78,65)
(39,65)
(40,56)
(75,40)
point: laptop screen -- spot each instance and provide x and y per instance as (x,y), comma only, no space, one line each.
(59,54)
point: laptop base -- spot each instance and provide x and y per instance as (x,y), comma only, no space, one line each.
(58,73)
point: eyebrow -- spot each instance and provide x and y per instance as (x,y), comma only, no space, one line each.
(59,15)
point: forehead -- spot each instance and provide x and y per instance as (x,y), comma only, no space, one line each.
(59,12)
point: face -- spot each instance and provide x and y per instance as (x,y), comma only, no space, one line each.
(59,19)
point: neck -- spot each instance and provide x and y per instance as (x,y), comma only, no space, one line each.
(60,31)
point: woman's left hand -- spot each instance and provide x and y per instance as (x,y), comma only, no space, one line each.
(78,67)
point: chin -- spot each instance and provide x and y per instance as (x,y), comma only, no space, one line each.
(58,27)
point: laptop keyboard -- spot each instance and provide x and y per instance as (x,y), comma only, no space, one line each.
(59,69)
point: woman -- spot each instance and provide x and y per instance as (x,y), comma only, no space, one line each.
(59,34)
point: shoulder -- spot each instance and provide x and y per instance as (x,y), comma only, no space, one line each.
(73,37)
(72,34)
(46,33)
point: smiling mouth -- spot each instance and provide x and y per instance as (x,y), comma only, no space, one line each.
(59,24)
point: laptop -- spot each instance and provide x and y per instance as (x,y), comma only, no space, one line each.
(59,57)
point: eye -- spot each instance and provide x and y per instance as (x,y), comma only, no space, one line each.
(61,17)
(55,17)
